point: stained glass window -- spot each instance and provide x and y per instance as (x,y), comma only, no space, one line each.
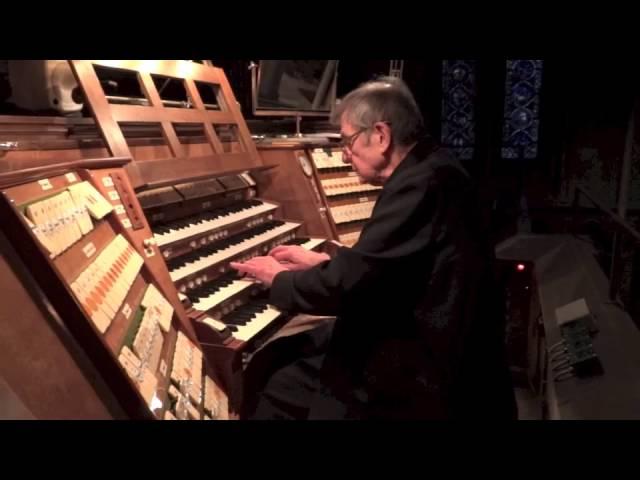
(521,109)
(458,107)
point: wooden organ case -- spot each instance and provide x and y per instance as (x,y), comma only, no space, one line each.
(132,250)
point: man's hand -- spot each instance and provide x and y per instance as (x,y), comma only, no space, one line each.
(294,257)
(263,269)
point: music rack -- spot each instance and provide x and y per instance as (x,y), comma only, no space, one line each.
(110,116)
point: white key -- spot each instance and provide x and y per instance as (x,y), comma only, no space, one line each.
(262,319)
(221,295)
(312,243)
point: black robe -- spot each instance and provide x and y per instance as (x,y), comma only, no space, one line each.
(419,332)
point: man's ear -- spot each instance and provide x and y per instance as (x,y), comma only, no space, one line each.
(382,132)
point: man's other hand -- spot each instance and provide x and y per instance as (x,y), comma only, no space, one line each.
(263,269)
(294,257)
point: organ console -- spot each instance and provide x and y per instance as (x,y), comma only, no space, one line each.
(132,250)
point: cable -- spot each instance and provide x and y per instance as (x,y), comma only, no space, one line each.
(556,345)
(616,303)
(564,375)
(561,361)
(557,355)
(562,364)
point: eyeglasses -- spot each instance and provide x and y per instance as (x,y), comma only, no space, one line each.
(347,141)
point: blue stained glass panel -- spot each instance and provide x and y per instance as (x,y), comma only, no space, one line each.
(458,107)
(521,109)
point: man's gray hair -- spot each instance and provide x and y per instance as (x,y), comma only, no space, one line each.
(385,99)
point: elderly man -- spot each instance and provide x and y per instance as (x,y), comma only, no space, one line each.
(418,333)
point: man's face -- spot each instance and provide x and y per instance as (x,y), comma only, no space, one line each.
(364,149)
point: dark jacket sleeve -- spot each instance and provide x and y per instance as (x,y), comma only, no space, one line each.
(403,223)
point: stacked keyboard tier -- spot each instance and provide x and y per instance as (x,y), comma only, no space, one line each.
(201,227)
(349,201)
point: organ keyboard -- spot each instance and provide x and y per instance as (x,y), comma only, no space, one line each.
(308,243)
(192,228)
(212,232)
(215,257)
(250,318)
(199,228)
